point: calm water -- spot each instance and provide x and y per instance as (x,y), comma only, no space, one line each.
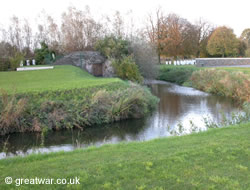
(178,106)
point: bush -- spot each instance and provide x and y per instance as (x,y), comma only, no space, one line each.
(4,64)
(15,61)
(176,74)
(42,54)
(112,47)
(126,69)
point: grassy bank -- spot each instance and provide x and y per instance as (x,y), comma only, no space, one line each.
(67,97)
(176,74)
(215,159)
(232,82)
(181,74)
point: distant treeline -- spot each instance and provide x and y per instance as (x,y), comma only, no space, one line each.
(79,30)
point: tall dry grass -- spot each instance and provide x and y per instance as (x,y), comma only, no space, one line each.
(11,113)
(235,85)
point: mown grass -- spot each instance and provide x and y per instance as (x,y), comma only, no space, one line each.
(215,159)
(60,78)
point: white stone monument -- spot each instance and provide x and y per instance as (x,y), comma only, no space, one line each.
(28,62)
(33,62)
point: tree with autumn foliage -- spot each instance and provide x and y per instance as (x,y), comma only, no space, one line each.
(174,36)
(223,42)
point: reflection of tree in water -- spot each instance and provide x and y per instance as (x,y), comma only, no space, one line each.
(169,105)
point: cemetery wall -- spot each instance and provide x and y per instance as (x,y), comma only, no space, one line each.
(210,62)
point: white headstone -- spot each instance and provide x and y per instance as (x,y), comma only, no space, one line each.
(28,62)
(33,62)
(21,63)
(53,56)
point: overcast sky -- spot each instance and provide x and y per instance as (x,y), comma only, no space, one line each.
(234,14)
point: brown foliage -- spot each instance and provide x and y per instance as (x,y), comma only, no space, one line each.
(175,36)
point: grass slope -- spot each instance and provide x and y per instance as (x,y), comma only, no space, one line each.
(216,159)
(59,78)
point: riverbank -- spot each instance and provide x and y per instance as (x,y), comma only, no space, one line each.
(67,97)
(229,82)
(215,159)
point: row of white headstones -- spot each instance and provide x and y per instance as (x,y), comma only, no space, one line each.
(182,62)
(28,62)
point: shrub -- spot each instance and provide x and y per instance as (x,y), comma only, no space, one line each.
(113,47)
(4,64)
(176,74)
(15,61)
(127,69)
(42,54)
(132,102)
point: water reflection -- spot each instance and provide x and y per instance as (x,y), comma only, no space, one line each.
(178,106)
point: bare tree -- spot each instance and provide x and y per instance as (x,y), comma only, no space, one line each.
(156,31)
(190,40)
(72,30)
(79,30)
(92,29)
(54,35)
(204,30)
(27,37)
(14,32)
(145,56)
(118,25)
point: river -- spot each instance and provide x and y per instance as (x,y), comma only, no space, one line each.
(181,110)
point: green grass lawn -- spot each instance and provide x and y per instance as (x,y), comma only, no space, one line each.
(216,159)
(245,70)
(59,78)
(242,69)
